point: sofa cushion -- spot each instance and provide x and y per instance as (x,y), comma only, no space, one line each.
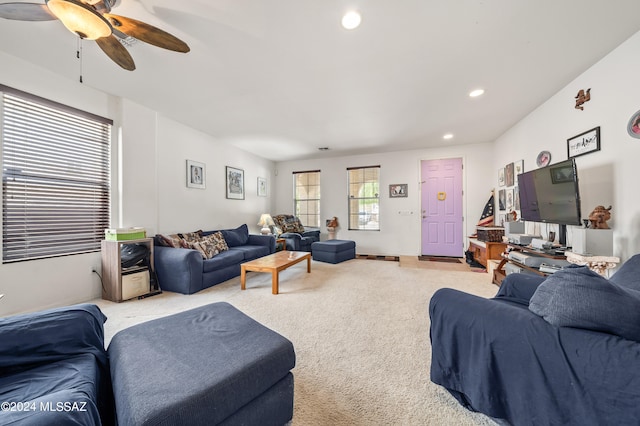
(251,252)
(580,298)
(236,237)
(224,259)
(629,274)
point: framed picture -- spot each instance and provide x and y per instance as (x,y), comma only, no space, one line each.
(508,175)
(195,175)
(633,128)
(501,176)
(518,168)
(235,183)
(543,159)
(509,202)
(398,190)
(584,143)
(262,187)
(502,200)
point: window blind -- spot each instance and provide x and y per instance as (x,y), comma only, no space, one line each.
(55,179)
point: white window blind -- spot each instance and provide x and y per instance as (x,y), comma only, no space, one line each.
(55,178)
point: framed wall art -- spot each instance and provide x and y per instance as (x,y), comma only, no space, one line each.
(501,176)
(584,143)
(235,183)
(262,187)
(195,175)
(398,190)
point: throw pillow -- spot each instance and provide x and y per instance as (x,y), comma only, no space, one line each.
(580,298)
(629,274)
(210,245)
(191,237)
(173,240)
(289,223)
(236,237)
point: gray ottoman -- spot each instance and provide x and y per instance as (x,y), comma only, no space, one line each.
(333,251)
(211,365)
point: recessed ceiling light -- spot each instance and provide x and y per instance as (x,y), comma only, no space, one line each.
(351,20)
(448,136)
(476,93)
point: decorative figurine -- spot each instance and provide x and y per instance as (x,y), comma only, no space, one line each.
(599,217)
(332,224)
(582,97)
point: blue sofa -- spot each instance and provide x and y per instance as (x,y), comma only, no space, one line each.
(564,350)
(185,271)
(54,368)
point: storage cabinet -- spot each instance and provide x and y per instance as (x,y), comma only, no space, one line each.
(484,250)
(125,283)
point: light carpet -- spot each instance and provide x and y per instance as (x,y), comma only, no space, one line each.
(360,330)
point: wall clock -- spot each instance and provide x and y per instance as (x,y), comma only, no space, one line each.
(544,158)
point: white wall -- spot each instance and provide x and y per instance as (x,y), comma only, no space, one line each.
(148,187)
(399,234)
(607,177)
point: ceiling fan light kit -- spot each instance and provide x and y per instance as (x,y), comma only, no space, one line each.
(91,20)
(80,19)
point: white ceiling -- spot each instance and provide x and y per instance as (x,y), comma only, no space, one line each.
(282,78)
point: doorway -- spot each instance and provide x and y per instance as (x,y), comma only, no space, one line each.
(441,207)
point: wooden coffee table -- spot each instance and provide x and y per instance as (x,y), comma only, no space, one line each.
(274,263)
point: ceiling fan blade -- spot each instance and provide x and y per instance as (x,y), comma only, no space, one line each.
(117,52)
(26,12)
(147,33)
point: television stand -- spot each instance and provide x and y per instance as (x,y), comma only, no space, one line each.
(499,273)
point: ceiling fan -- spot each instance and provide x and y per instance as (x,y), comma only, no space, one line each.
(92,20)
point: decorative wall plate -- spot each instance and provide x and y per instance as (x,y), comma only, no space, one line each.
(633,128)
(544,158)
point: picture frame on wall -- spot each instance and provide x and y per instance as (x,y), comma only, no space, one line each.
(633,127)
(508,174)
(262,187)
(584,143)
(518,169)
(196,175)
(235,183)
(502,195)
(398,190)
(501,176)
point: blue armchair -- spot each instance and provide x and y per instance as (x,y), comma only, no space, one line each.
(296,237)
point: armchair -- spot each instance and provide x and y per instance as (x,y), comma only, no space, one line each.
(296,237)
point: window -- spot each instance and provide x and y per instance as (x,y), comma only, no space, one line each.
(306,197)
(364,198)
(55,178)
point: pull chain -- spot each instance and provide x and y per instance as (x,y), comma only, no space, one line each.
(79,55)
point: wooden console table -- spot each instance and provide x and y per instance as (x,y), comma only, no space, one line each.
(484,251)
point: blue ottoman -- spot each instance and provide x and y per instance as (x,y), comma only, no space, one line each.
(333,251)
(211,365)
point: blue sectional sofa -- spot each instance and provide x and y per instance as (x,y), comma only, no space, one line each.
(564,350)
(184,270)
(54,369)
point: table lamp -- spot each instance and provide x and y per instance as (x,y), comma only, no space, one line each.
(266,221)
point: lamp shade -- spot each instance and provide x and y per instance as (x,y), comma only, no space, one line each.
(80,19)
(266,221)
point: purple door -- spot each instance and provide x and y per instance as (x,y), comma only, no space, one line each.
(442,207)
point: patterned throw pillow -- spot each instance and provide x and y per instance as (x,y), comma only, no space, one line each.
(288,223)
(192,237)
(173,240)
(210,245)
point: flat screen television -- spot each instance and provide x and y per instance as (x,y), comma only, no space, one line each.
(551,195)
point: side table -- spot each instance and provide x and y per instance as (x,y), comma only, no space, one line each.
(598,264)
